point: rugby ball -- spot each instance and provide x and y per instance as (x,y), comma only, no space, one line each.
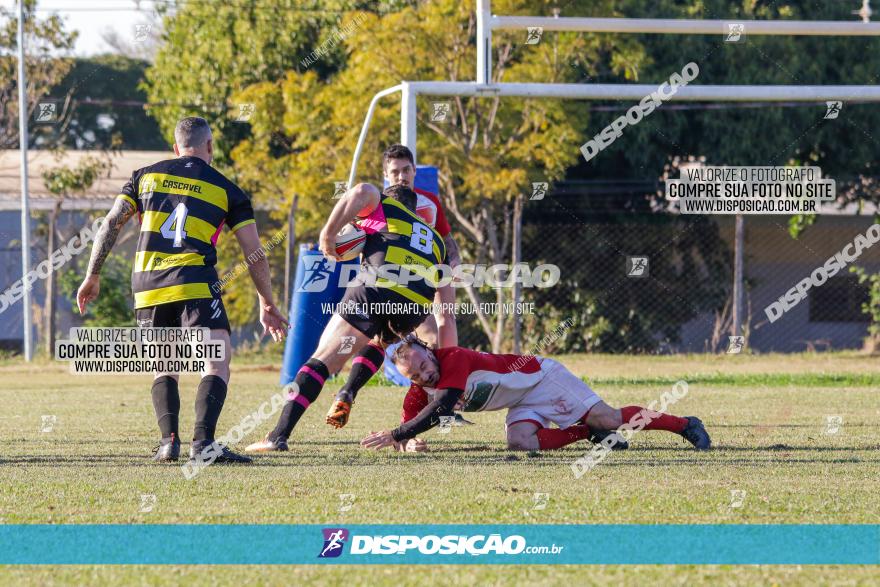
(350,242)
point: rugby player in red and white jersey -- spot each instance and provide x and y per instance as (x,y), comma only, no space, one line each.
(398,167)
(534,390)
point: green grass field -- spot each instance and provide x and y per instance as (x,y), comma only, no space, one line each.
(767,415)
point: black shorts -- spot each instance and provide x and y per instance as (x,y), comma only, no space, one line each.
(362,308)
(200,313)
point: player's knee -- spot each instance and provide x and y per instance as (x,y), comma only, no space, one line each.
(174,376)
(517,440)
(217,368)
(604,417)
(221,372)
(516,444)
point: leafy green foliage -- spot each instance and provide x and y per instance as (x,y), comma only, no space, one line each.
(688,276)
(47,45)
(307,118)
(305,128)
(116,121)
(798,223)
(872,306)
(114,306)
(214,50)
(845,148)
(66,181)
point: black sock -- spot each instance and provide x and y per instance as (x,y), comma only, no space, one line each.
(371,358)
(166,402)
(309,390)
(209,403)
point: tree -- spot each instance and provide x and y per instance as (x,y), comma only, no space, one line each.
(107,106)
(46,44)
(765,134)
(844,148)
(488,150)
(870,307)
(213,50)
(64,182)
(244,42)
(688,274)
(113,306)
(307,115)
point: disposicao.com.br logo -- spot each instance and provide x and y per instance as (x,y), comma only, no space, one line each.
(432,544)
(334,540)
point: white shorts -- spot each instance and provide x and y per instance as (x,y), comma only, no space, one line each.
(560,397)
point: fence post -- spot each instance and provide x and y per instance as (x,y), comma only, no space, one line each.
(288,253)
(516,258)
(738,275)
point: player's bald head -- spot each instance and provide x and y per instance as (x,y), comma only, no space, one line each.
(192,138)
(192,132)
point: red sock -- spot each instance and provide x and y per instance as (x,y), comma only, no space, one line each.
(655,420)
(550,438)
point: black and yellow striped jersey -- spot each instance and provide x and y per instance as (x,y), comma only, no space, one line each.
(397,236)
(182,204)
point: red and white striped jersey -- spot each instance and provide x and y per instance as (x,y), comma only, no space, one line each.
(428,207)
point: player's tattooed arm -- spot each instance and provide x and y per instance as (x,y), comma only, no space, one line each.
(105,239)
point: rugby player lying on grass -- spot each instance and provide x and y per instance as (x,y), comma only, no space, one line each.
(534,390)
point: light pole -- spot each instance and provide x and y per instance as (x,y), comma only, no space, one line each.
(25,211)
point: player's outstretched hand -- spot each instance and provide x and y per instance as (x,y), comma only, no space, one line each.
(88,291)
(412,445)
(273,322)
(378,440)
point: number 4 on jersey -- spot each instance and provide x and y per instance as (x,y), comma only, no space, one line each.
(173,226)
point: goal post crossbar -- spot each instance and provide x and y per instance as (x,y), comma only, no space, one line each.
(486,22)
(682,26)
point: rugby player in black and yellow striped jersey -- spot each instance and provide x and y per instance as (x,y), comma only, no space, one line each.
(182,205)
(399,168)
(402,252)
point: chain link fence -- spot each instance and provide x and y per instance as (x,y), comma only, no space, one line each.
(641,283)
(663,283)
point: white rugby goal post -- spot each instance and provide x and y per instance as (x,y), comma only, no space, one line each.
(483,86)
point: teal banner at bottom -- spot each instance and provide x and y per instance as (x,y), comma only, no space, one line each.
(278,544)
